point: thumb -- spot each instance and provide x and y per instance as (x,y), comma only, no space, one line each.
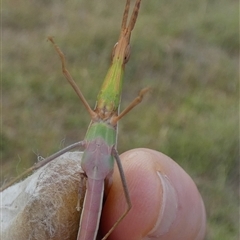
(165,201)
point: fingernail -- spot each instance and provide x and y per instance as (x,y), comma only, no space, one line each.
(168,210)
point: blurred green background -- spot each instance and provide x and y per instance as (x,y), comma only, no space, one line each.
(187,51)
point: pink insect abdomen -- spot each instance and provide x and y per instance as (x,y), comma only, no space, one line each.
(91,212)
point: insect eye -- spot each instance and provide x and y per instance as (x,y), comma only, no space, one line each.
(113,51)
(127,54)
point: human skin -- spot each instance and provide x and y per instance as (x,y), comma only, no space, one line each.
(166,203)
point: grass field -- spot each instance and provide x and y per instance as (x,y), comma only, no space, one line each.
(187,51)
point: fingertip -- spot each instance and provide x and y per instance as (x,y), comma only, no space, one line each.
(166,202)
